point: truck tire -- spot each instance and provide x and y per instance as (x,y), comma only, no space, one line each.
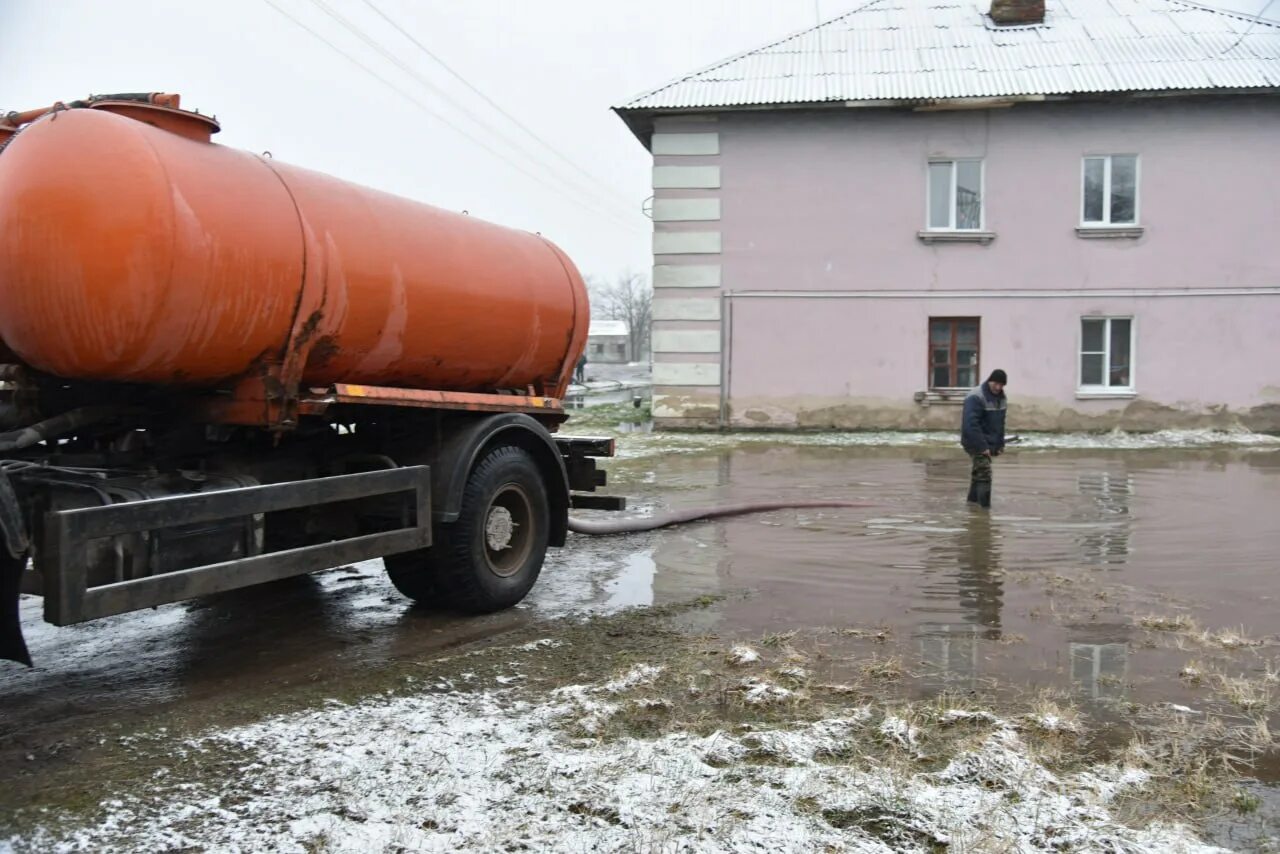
(488,559)
(414,575)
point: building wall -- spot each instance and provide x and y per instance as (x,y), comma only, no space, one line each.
(792,288)
(608,349)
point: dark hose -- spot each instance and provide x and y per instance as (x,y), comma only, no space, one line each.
(630,524)
(58,425)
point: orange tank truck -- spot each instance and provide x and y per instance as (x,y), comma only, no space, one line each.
(222,369)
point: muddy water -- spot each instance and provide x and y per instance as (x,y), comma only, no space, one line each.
(1043,591)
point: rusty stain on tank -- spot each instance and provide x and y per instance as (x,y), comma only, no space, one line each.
(322,352)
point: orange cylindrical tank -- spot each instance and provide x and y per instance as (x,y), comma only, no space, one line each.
(135,253)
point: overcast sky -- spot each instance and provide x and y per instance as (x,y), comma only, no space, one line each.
(554,65)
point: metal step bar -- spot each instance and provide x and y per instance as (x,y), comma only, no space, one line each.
(69,600)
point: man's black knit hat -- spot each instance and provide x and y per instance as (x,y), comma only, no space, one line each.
(998,376)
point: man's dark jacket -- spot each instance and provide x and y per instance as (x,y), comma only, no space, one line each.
(982,427)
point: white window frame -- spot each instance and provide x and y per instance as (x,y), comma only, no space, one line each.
(1106,222)
(951,218)
(1107,391)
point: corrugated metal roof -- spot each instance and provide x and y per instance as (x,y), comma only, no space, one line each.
(938,49)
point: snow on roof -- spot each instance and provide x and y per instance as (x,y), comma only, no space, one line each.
(607,327)
(942,49)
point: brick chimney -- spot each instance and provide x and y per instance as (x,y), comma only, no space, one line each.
(1017,11)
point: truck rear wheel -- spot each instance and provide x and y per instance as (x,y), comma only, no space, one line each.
(491,556)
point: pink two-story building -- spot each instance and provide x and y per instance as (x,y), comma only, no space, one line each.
(858,222)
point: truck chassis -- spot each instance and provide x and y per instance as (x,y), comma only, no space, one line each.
(113,507)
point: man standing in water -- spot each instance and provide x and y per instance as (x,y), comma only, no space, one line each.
(982,433)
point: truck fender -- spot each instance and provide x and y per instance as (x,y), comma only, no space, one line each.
(464,444)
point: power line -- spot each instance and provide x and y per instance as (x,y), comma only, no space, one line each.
(465,82)
(430,112)
(593,185)
(1257,19)
(373,43)
(822,53)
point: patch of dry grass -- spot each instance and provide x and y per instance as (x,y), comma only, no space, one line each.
(742,655)
(886,669)
(1249,695)
(775,640)
(1053,718)
(1192,761)
(879,634)
(793,674)
(1188,633)
(1167,623)
(1228,639)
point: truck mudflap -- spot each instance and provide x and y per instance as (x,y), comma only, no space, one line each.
(69,598)
(14,546)
(13,646)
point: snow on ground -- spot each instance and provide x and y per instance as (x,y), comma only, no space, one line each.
(495,771)
(642,445)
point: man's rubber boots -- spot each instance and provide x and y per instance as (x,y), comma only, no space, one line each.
(984,495)
(973,492)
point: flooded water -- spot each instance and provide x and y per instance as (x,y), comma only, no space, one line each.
(1045,590)
(601,397)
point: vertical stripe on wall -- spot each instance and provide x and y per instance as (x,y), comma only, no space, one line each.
(686,274)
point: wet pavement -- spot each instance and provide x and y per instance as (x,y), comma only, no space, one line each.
(1044,591)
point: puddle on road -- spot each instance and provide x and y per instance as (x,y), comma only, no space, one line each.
(1045,591)
(633,427)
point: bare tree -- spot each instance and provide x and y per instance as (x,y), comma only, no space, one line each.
(628,298)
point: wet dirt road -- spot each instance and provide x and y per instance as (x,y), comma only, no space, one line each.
(1045,590)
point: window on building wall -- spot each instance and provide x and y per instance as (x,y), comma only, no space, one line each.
(1110,190)
(953,352)
(955,195)
(1106,354)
